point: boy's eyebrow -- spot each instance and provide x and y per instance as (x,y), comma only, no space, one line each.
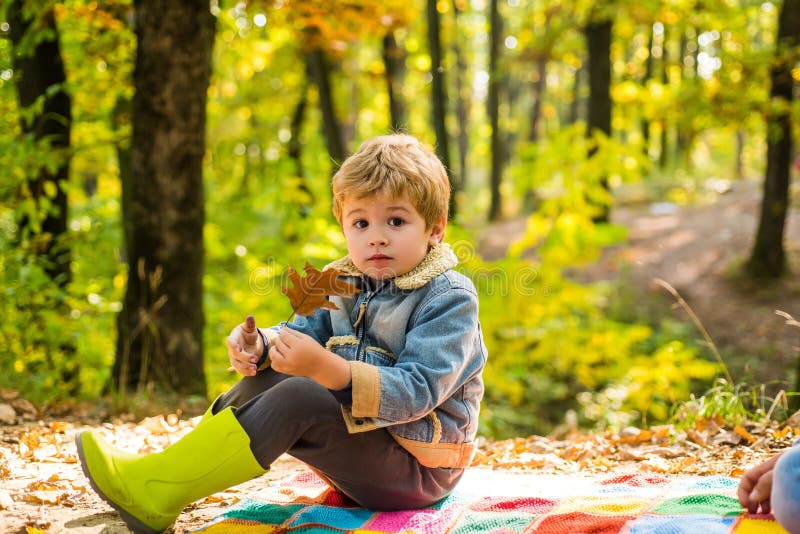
(388,208)
(350,212)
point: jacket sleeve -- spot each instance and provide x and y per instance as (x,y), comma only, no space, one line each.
(442,352)
(317,326)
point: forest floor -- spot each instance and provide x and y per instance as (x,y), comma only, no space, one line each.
(44,490)
(696,249)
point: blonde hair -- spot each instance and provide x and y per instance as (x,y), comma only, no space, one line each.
(400,166)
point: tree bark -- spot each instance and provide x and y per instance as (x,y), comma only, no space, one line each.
(160,342)
(539,87)
(648,74)
(394,60)
(574,110)
(664,155)
(295,148)
(493,109)
(598,42)
(439,96)
(463,103)
(319,70)
(768,258)
(41,74)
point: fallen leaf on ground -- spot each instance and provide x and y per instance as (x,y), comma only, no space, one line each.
(6,502)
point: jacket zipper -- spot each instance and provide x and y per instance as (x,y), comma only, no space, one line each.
(361,325)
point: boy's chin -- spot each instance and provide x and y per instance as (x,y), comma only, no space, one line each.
(380,273)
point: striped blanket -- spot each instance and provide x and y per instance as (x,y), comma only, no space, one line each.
(504,502)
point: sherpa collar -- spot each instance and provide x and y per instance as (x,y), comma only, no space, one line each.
(438,259)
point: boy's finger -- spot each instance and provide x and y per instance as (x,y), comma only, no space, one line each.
(242,368)
(762,489)
(289,332)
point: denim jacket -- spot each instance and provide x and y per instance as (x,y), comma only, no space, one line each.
(416,354)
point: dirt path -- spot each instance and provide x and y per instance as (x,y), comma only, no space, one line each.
(698,250)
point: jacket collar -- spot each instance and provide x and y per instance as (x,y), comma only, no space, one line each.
(438,259)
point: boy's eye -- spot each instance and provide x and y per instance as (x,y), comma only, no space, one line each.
(396,221)
(361,223)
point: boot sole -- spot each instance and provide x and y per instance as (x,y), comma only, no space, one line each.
(133,523)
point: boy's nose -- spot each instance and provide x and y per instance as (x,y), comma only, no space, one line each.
(378,241)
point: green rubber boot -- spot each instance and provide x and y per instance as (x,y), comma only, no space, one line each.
(150,491)
(209,411)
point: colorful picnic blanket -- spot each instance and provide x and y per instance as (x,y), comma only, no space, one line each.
(503,502)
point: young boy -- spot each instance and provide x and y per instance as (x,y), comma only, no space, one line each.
(379,397)
(774,486)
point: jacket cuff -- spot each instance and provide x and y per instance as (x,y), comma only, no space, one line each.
(366,389)
(266,337)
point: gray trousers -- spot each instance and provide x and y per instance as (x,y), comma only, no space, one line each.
(295,415)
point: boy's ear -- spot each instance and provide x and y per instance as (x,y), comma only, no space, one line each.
(437,232)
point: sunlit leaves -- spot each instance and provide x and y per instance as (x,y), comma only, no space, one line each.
(332,26)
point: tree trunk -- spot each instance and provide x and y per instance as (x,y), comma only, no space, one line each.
(41,74)
(394,60)
(319,70)
(539,86)
(160,341)
(439,96)
(598,42)
(664,155)
(767,259)
(648,74)
(463,103)
(493,110)
(295,149)
(738,165)
(574,111)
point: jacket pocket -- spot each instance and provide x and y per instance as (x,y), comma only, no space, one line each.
(348,348)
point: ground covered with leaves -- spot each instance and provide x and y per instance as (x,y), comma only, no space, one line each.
(42,487)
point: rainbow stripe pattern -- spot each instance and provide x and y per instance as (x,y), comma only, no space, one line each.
(504,502)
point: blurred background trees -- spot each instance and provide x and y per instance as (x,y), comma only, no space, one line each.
(164,163)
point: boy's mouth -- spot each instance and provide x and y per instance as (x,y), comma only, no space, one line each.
(378,257)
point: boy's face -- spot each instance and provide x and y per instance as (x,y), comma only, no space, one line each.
(386,236)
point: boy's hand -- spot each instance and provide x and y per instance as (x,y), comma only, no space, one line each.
(756,486)
(297,354)
(245,347)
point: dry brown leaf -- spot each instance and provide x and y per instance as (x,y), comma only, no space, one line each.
(727,438)
(59,427)
(24,408)
(8,394)
(7,414)
(738,429)
(5,470)
(28,443)
(655,464)
(697,437)
(6,502)
(308,294)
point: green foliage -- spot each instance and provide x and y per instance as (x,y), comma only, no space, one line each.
(734,404)
(552,349)
(555,344)
(55,343)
